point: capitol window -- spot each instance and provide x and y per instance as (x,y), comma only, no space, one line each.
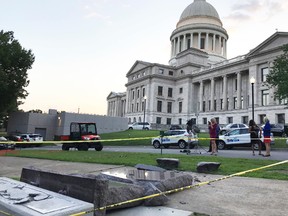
(264,73)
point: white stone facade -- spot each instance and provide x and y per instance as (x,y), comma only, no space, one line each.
(199,82)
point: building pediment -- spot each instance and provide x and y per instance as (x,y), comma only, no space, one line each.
(138,65)
(275,41)
(115,94)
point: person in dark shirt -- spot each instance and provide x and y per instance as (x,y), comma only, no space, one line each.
(255,133)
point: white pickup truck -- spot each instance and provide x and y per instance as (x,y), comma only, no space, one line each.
(239,137)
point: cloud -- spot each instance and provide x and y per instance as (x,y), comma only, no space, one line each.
(255,10)
(248,6)
(93,9)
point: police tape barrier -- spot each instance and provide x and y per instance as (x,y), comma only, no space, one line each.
(100,140)
(5,213)
(71,141)
(180,189)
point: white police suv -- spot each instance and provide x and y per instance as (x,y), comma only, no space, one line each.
(179,138)
(239,137)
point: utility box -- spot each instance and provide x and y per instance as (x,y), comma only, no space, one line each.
(18,199)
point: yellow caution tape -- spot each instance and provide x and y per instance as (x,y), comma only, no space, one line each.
(100,140)
(5,213)
(179,189)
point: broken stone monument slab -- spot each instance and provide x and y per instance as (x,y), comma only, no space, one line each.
(168,163)
(18,198)
(124,184)
(149,168)
(152,181)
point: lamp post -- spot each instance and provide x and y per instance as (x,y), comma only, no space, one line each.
(145,98)
(252,81)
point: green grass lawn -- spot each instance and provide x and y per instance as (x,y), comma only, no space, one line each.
(187,162)
(139,137)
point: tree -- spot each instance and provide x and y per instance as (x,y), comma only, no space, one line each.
(35,111)
(278,76)
(15,61)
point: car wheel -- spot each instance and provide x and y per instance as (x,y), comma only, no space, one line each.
(221,145)
(130,128)
(284,134)
(182,144)
(99,147)
(156,144)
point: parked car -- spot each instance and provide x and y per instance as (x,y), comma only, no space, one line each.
(175,127)
(231,126)
(178,138)
(277,130)
(35,137)
(239,137)
(139,126)
(28,137)
(31,138)
(5,144)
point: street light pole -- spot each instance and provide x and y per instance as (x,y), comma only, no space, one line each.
(144,111)
(252,81)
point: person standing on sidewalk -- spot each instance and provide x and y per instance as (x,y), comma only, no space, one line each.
(212,126)
(255,133)
(266,134)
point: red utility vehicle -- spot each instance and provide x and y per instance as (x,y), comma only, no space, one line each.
(84,134)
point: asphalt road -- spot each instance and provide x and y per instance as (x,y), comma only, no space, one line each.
(276,154)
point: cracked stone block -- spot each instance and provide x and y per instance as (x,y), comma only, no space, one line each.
(206,167)
(168,163)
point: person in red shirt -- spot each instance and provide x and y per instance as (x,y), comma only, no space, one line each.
(212,126)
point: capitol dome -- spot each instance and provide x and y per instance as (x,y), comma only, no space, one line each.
(200,28)
(199,11)
(199,8)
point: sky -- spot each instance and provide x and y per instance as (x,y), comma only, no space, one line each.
(84,48)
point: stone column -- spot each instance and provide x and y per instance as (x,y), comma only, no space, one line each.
(212,94)
(214,43)
(172,46)
(219,45)
(224,92)
(178,45)
(175,47)
(207,41)
(225,48)
(199,40)
(191,40)
(127,101)
(239,89)
(201,96)
(184,43)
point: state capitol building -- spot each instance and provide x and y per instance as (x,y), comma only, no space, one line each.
(199,82)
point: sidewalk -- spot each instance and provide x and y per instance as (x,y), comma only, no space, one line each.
(233,196)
